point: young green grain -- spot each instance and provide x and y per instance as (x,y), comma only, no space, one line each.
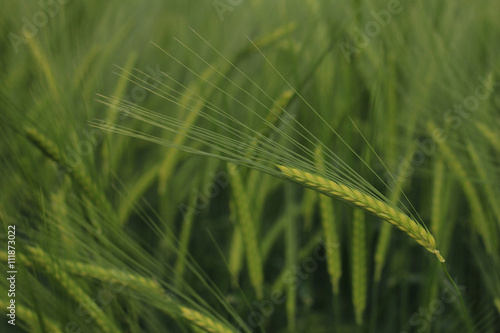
(368,203)
(332,243)
(129,280)
(203,321)
(187,226)
(330,234)
(106,324)
(50,149)
(248,229)
(359,270)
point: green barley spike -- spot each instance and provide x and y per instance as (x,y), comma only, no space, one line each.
(331,234)
(359,271)
(248,229)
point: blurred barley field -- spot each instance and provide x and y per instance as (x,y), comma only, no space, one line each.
(245,165)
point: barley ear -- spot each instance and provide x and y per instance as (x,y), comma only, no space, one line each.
(236,252)
(102,320)
(332,243)
(248,229)
(129,280)
(359,271)
(370,204)
(331,234)
(204,322)
(50,149)
(185,235)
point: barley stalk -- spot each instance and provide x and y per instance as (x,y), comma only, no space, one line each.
(366,202)
(291,246)
(255,178)
(438,227)
(332,244)
(187,226)
(236,252)
(384,238)
(255,187)
(359,271)
(44,66)
(490,189)
(60,210)
(249,231)
(437,195)
(479,219)
(172,156)
(330,233)
(118,91)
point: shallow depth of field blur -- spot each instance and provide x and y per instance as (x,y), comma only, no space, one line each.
(118,234)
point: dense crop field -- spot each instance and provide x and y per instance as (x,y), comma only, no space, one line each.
(250,166)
